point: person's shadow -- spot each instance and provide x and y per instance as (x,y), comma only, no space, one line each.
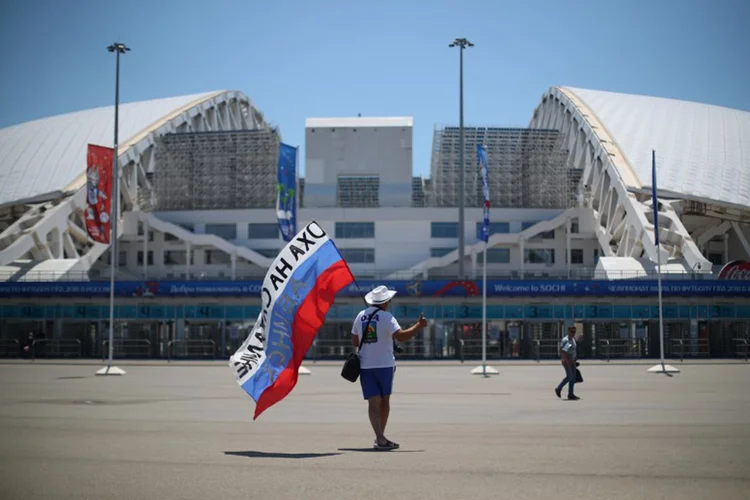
(263,454)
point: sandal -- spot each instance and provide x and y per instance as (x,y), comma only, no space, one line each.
(389,445)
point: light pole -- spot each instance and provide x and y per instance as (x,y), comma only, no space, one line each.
(461,43)
(117,48)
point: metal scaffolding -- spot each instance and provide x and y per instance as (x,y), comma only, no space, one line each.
(216,170)
(527,168)
(419,186)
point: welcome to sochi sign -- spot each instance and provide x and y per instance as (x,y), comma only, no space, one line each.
(735,270)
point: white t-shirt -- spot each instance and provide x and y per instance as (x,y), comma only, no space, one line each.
(377,351)
(569,346)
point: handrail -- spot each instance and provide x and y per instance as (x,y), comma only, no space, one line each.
(61,344)
(187,343)
(538,346)
(606,343)
(8,345)
(741,342)
(690,342)
(122,346)
(629,347)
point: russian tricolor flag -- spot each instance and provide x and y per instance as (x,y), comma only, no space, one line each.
(299,288)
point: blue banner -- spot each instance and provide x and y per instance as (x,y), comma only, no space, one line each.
(445,288)
(485,175)
(286,198)
(402,310)
(654,199)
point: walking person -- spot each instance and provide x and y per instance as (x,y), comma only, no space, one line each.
(377,360)
(568,357)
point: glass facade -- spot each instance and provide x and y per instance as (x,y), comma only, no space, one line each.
(226,231)
(515,330)
(263,231)
(358,255)
(355,230)
(444,230)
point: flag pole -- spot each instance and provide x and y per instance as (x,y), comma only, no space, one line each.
(484,311)
(662,368)
(484,370)
(301,370)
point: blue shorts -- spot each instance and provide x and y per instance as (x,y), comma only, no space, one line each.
(376,381)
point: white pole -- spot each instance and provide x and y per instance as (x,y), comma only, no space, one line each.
(484,311)
(661,317)
(114,198)
(663,368)
(117,48)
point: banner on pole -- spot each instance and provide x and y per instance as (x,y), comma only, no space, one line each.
(98,189)
(484,172)
(655,200)
(297,292)
(286,198)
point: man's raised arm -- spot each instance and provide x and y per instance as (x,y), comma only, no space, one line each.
(409,333)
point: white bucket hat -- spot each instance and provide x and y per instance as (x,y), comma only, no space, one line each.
(379,295)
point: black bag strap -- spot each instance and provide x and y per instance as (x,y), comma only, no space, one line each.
(362,340)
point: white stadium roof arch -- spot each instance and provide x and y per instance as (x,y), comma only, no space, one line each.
(702,154)
(702,151)
(42,175)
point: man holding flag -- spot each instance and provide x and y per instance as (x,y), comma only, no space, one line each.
(299,288)
(376,329)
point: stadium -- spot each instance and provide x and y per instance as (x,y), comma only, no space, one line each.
(572,228)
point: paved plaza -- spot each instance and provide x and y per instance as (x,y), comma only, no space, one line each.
(185,431)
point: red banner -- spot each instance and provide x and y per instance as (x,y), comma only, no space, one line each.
(98,188)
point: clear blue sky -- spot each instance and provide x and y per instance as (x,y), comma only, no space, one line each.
(299,59)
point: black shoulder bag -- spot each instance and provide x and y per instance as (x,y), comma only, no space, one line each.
(352,368)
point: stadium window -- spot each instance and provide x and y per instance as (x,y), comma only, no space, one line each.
(358,255)
(176,257)
(576,256)
(271,253)
(498,255)
(574,227)
(226,231)
(122,259)
(495,228)
(444,230)
(150,258)
(267,231)
(439,252)
(355,230)
(716,259)
(217,257)
(539,256)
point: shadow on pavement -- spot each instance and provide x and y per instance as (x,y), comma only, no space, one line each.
(375,450)
(262,454)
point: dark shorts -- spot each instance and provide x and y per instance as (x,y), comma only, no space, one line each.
(376,381)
